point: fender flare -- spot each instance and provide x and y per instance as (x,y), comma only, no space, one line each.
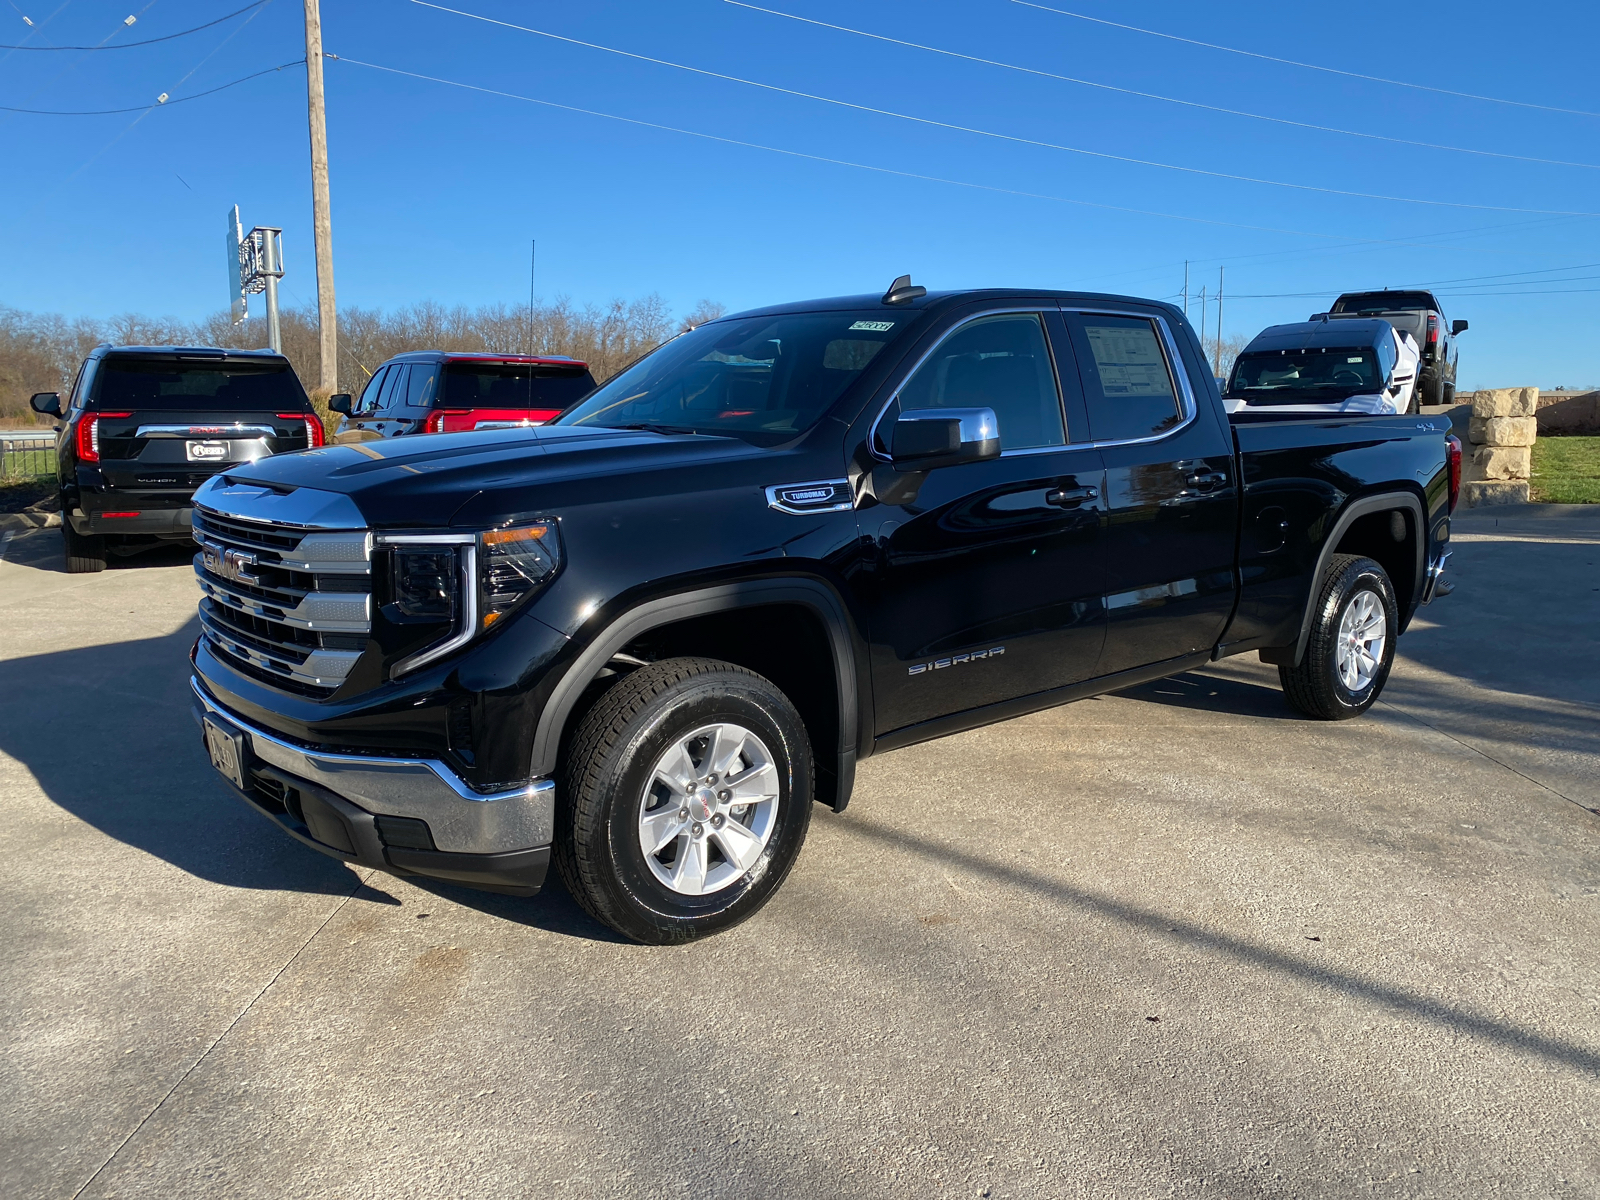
(664,610)
(1355,509)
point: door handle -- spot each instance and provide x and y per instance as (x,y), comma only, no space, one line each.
(1205,481)
(1071,497)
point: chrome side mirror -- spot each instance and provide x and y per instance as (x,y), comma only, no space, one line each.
(924,438)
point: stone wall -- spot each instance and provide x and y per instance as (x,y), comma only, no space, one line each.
(1501,434)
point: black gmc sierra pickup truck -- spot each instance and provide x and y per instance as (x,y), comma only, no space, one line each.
(645,637)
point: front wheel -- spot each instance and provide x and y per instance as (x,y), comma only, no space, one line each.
(1351,648)
(688,796)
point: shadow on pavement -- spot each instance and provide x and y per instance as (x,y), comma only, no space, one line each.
(1214,693)
(552,910)
(1198,937)
(106,732)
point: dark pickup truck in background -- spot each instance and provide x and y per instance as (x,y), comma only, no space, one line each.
(145,425)
(645,637)
(1420,315)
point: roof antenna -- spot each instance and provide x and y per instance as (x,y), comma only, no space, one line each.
(902,290)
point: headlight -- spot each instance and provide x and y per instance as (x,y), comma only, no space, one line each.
(448,588)
(512,564)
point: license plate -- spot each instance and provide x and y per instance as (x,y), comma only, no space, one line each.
(207,451)
(226,748)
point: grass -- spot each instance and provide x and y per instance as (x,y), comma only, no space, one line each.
(1566,470)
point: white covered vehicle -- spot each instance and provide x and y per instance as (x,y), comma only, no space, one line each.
(1349,366)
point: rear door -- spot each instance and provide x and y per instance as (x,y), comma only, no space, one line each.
(422,389)
(1170,493)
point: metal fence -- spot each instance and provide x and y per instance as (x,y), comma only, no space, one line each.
(27,453)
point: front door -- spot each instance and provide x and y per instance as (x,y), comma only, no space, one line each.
(986,583)
(1172,501)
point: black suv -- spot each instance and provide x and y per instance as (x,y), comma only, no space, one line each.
(1419,314)
(146,425)
(430,391)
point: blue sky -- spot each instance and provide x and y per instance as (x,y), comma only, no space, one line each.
(437,189)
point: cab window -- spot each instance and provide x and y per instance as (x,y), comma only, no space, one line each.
(1127,381)
(1001,363)
(369,395)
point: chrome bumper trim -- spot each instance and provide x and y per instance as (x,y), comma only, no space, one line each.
(462,820)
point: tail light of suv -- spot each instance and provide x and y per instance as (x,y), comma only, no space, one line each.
(1453,449)
(1433,332)
(88,435)
(315,435)
(460,420)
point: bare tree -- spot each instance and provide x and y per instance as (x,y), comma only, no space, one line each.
(706,310)
(41,353)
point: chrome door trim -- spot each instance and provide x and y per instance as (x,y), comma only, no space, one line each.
(1175,368)
(1035,310)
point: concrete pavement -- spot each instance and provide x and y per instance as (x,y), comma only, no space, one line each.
(1175,941)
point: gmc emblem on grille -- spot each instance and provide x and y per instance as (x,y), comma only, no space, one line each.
(229,564)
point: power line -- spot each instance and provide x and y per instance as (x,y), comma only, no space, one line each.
(1233,112)
(1006,137)
(841,162)
(1421,87)
(147,41)
(103,112)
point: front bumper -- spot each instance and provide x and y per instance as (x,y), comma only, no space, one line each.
(408,816)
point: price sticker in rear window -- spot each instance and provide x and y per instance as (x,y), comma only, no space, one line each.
(874,326)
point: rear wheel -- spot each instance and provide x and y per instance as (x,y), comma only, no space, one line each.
(82,554)
(688,796)
(1351,648)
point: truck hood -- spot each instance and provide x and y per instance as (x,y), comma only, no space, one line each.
(428,480)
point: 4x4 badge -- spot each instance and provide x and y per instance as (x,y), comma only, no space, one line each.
(818,496)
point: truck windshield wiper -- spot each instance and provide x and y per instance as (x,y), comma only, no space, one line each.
(655,427)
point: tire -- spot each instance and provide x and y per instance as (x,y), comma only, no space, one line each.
(82,554)
(1332,682)
(1430,391)
(710,873)
(1450,393)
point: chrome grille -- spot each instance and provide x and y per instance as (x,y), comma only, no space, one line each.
(286,604)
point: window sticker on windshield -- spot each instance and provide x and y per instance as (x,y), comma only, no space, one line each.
(874,326)
(1353,358)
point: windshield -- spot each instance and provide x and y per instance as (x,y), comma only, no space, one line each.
(764,379)
(1294,376)
(514,385)
(1371,304)
(208,386)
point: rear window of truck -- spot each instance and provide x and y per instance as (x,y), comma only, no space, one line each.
(135,384)
(514,385)
(1382,302)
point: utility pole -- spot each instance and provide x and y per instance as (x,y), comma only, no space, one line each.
(321,218)
(1216,368)
(1202,320)
(1186,289)
(533,262)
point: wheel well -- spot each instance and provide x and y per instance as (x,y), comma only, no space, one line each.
(1389,537)
(786,643)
